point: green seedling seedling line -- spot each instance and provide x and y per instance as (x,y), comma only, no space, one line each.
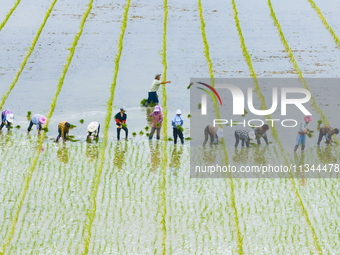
(21,197)
(91,212)
(297,68)
(211,72)
(28,54)
(162,184)
(9,14)
(324,21)
(274,131)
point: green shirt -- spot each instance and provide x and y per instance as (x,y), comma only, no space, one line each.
(155,85)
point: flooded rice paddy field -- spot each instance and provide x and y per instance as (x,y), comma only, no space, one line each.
(79,59)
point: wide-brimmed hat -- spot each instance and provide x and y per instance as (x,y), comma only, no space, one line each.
(251,134)
(157,74)
(178,112)
(42,120)
(219,132)
(92,126)
(10,118)
(308,118)
(157,108)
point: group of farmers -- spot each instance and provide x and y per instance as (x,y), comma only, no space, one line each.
(93,128)
(260,132)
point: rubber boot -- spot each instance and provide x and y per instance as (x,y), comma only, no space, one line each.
(303,148)
(296,147)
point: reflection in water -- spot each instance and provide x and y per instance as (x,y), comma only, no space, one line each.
(259,154)
(325,155)
(155,156)
(242,156)
(209,155)
(149,119)
(63,154)
(120,154)
(300,161)
(7,138)
(175,159)
(91,152)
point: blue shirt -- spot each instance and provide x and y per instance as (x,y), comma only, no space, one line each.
(35,120)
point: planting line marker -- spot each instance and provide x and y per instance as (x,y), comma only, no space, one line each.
(9,14)
(28,54)
(29,173)
(275,135)
(91,212)
(324,21)
(232,186)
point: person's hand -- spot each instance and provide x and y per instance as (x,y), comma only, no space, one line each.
(215,141)
(169,81)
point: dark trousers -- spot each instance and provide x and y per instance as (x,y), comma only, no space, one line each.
(31,125)
(237,137)
(59,134)
(207,134)
(179,133)
(320,136)
(118,132)
(2,123)
(153,129)
(152,97)
(90,133)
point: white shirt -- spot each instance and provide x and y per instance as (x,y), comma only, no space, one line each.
(155,85)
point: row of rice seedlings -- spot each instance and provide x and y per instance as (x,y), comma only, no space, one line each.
(9,14)
(232,195)
(91,212)
(263,106)
(42,137)
(324,21)
(28,54)
(162,180)
(297,68)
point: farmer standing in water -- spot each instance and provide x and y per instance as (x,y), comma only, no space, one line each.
(153,90)
(37,120)
(121,123)
(303,131)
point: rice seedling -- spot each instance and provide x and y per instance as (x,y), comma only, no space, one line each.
(81,121)
(146,128)
(141,132)
(310,134)
(29,52)
(29,114)
(170,139)
(189,116)
(187,138)
(45,129)
(9,14)
(17,126)
(72,126)
(147,134)
(143,102)
(158,125)
(199,106)
(134,133)
(180,128)
(124,125)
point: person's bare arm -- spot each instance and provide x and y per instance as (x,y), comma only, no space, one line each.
(163,82)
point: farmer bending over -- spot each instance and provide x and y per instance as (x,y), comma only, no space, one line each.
(37,120)
(213,132)
(63,129)
(153,90)
(327,131)
(93,129)
(7,118)
(244,136)
(121,123)
(261,132)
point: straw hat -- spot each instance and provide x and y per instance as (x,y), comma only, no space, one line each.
(252,135)
(10,118)
(92,126)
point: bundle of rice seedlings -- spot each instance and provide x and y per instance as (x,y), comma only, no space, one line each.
(180,128)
